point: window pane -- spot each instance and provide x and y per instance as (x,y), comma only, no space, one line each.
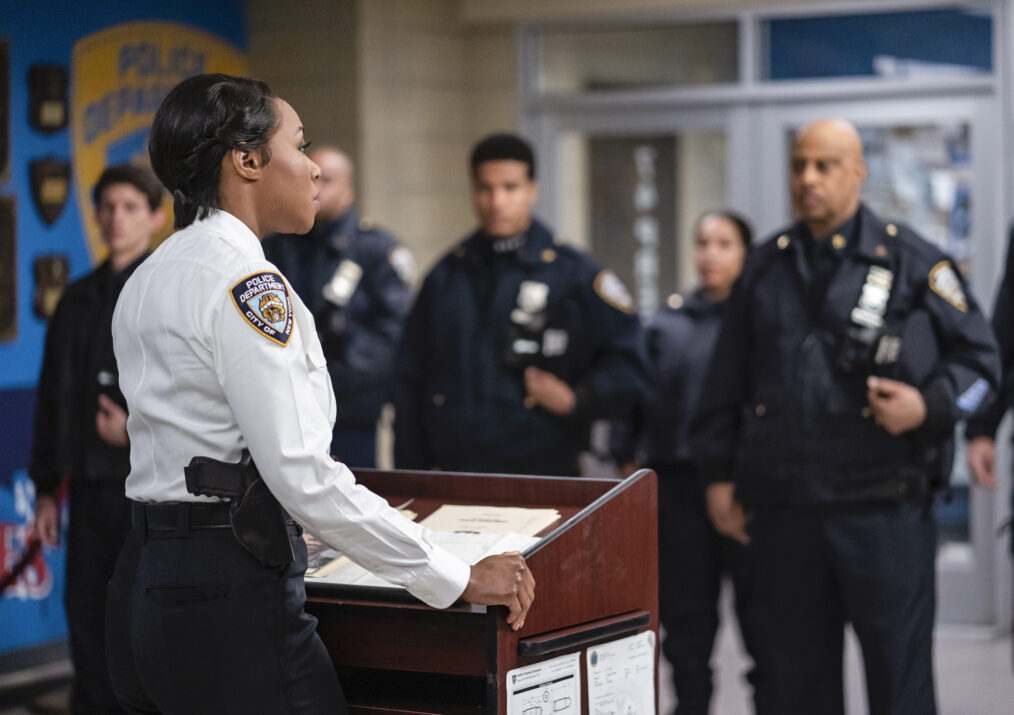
(931,43)
(590,60)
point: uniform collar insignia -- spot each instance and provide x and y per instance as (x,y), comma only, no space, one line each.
(872,232)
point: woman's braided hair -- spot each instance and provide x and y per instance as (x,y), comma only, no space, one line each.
(200,120)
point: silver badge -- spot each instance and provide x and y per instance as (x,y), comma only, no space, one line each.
(343,283)
(869,311)
(533,296)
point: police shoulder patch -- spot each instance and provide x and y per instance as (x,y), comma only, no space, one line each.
(611,289)
(262,299)
(403,264)
(945,283)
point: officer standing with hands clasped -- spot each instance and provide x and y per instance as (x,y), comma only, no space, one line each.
(229,397)
(692,556)
(849,350)
(516,343)
(356,281)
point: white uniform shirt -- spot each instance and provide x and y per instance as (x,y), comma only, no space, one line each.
(203,375)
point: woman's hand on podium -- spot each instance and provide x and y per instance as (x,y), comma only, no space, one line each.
(502,580)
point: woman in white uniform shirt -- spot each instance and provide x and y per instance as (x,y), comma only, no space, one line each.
(217,355)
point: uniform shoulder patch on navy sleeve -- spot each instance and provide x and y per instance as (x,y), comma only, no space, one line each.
(403,263)
(945,283)
(611,289)
(262,299)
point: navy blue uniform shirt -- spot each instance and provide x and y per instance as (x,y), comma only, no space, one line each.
(78,365)
(481,316)
(356,281)
(679,345)
(778,413)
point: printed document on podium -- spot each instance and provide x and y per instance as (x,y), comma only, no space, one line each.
(469,547)
(621,676)
(490,519)
(552,687)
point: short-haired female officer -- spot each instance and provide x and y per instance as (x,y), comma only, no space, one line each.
(217,356)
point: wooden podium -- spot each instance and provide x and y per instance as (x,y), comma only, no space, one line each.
(596,573)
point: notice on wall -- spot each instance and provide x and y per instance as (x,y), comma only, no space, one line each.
(621,676)
(552,687)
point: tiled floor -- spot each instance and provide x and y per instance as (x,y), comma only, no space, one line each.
(973,671)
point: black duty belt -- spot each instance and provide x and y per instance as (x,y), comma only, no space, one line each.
(180,518)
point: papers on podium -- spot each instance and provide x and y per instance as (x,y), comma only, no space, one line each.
(469,547)
(469,532)
(490,519)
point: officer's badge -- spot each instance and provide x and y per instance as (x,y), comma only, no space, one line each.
(403,264)
(343,283)
(611,289)
(263,301)
(533,296)
(945,283)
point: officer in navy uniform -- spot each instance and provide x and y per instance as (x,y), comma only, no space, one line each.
(693,557)
(516,343)
(356,279)
(81,425)
(849,350)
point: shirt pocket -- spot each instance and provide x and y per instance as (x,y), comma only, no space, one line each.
(320,381)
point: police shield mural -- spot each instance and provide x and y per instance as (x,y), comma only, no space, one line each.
(119,77)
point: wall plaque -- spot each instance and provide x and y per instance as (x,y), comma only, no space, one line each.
(5,109)
(47,97)
(8,270)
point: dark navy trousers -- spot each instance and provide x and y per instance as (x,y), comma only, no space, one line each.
(817,569)
(693,558)
(98,524)
(196,625)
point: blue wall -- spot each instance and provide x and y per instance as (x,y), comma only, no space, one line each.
(32,612)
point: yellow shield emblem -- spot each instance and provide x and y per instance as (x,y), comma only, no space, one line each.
(119,77)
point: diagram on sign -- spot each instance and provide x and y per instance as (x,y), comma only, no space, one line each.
(621,676)
(552,687)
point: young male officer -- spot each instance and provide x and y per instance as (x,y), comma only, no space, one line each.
(849,350)
(81,425)
(516,343)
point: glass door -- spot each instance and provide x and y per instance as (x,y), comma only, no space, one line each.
(932,164)
(627,186)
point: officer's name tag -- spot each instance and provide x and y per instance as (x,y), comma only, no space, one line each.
(262,299)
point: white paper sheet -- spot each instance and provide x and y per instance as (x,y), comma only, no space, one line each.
(621,676)
(470,548)
(552,687)
(490,519)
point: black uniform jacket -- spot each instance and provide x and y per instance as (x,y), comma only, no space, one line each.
(778,414)
(987,420)
(348,274)
(77,365)
(679,344)
(479,319)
